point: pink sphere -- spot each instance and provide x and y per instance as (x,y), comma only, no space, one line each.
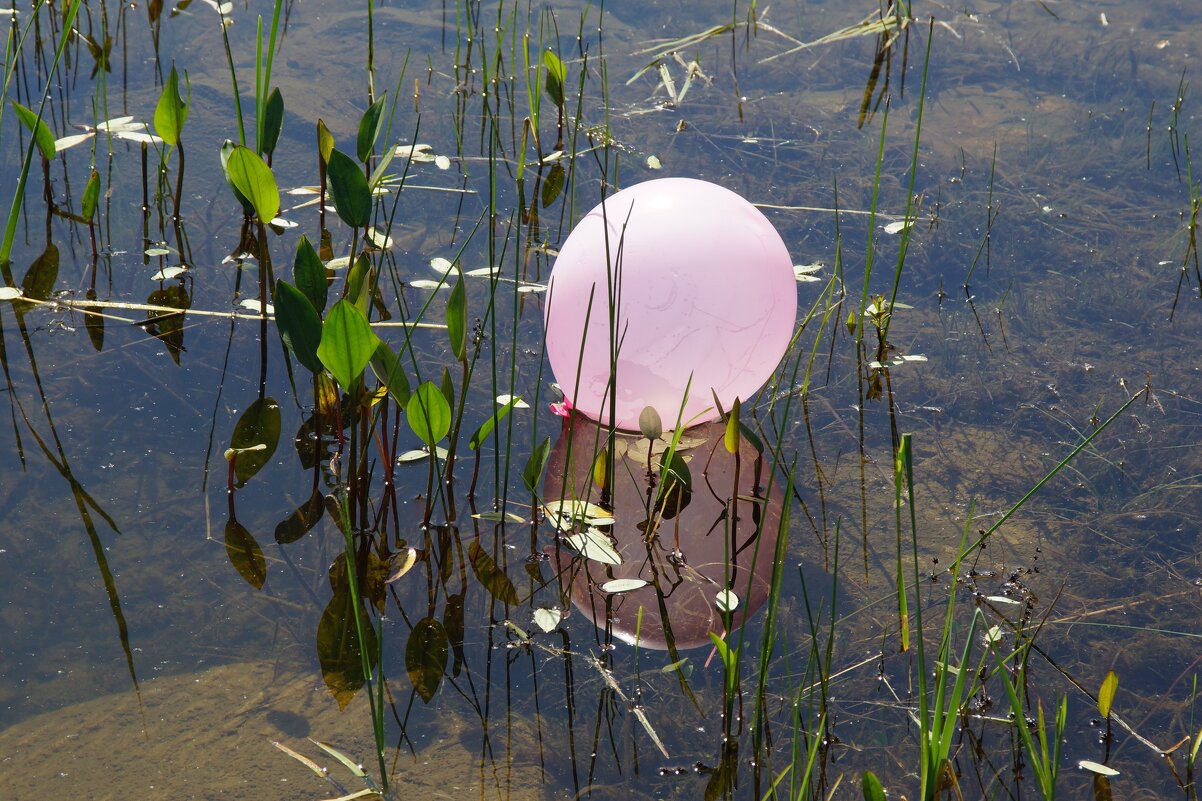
(699,284)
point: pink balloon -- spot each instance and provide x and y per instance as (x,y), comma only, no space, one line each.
(699,284)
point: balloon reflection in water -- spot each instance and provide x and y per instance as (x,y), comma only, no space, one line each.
(689,544)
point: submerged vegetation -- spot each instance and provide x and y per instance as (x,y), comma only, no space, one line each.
(882,575)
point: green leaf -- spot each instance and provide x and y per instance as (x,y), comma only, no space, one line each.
(251,176)
(41,131)
(391,373)
(352,198)
(1110,686)
(426,656)
(302,520)
(532,473)
(325,142)
(359,284)
(491,576)
(91,197)
(171,112)
(448,387)
(553,184)
(299,325)
(556,75)
(347,343)
(227,150)
(370,126)
(488,425)
(338,647)
(871,786)
(429,414)
(273,121)
(310,275)
(258,426)
(732,429)
(676,484)
(457,320)
(41,276)
(245,554)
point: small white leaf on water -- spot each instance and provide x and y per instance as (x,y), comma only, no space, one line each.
(573,509)
(654,163)
(594,544)
(1097,767)
(623,585)
(442,162)
(158,250)
(527,288)
(71,141)
(140,137)
(520,404)
(9,293)
(993,635)
(400,564)
(302,190)
(422,283)
(1001,599)
(115,124)
(419,454)
(677,665)
(280,222)
(419,153)
(551,157)
(339,263)
(726,601)
(167,273)
(253,305)
(482,271)
(897,226)
(547,619)
(379,239)
(913,357)
(440,265)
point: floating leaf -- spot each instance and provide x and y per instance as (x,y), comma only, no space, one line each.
(594,544)
(1110,686)
(442,162)
(302,520)
(379,238)
(1097,767)
(258,426)
(400,563)
(347,343)
(547,618)
(557,74)
(171,111)
(370,125)
(41,131)
(273,121)
(167,273)
(245,554)
(601,469)
(423,283)
(426,656)
(653,163)
(9,293)
(421,454)
(441,266)
(726,601)
(552,185)
(352,198)
(65,142)
(565,512)
(491,576)
(623,585)
(532,473)
(429,414)
(488,425)
(325,142)
(897,226)
(257,306)
(252,178)
(497,517)
(359,284)
(338,646)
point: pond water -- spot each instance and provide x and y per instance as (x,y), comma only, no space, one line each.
(1031,215)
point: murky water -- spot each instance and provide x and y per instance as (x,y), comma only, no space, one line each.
(1050,276)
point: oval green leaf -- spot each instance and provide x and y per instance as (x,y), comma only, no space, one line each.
(258,425)
(532,473)
(486,428)
(298,323)
(250,175)
(310,274)
(457,320)
(171,111)
(347,343)
(391,373)
(369,129)
(491,576)
(91,197)
(273,121)
(348,186)
(429,414)
(1110,686)
(557,74)
(41,131)
(245,554)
